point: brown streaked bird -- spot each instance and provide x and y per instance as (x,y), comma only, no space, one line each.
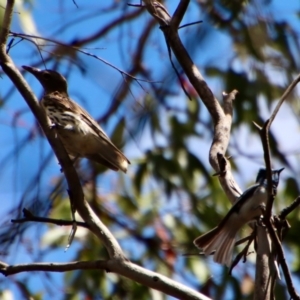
(79,132)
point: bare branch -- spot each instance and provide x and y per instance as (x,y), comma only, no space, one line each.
(283,214)
(29,217)
(53,267)
(124,268)
(189,24)
(179,13)
(282,261)
(28,37)
(219,146)
(264,263)
(283,98)
(221,118)
(6,25)
(245,251)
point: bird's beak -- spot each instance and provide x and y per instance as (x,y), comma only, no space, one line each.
(32,70)
(279,170)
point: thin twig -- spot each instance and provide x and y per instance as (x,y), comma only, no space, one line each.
(283,98)
(283,214)
(190,24)
(244,252)
(28,36)
(29,217)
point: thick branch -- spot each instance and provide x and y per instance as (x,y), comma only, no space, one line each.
(264,266)
(221,118)
(125,268)
(179,13)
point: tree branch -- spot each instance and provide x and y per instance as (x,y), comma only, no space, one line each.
(221,118)
(29,217)
(179,13)
(125,268)
(263,274)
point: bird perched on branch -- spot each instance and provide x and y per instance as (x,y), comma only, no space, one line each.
(249,205)
(79,132)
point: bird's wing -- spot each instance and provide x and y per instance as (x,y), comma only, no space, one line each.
(60,100)
(66,104)
(69,105)
(235,208)
(98,131)
(224,234)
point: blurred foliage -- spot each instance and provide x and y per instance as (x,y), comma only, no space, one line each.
(169,196)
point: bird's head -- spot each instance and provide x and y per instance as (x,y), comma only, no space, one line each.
(262,176)
(51,81)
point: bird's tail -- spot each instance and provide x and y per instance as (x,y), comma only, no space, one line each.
(111,158)
(221,240)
